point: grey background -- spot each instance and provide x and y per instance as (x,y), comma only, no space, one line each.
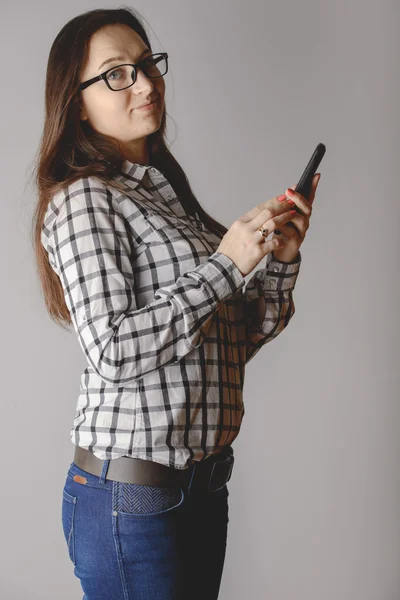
(315,493)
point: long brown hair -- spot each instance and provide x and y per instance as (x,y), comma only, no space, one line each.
(71,149)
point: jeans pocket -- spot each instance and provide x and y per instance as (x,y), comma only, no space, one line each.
(68,522)
(145,500)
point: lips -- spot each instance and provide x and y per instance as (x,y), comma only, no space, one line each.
(147,104)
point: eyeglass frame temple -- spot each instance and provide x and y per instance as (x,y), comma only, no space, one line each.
(86,84)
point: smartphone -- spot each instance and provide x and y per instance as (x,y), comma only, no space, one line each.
(305,181)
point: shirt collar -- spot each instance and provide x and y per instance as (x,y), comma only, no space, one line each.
(131,174)
(134,170)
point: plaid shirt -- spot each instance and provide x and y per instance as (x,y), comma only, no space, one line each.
(165,321)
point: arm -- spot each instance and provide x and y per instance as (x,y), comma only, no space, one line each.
(269,304)
(93,255)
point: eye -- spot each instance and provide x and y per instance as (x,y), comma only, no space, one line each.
(120,77)
(115,72)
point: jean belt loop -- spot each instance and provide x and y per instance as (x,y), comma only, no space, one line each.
(104,470)
(221,473)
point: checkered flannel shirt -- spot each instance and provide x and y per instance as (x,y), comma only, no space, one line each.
(165,321)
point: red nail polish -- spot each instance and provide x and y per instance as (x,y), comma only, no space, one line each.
(290,191)
(282,197)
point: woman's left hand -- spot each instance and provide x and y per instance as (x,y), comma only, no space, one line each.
(293,237)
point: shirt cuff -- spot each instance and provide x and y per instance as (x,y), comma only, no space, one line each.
(278,275)
(221,274)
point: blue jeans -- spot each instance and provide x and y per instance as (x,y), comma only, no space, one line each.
(134,542)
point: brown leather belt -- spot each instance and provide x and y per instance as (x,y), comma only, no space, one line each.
(211,473)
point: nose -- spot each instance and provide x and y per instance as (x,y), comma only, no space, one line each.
(142,81)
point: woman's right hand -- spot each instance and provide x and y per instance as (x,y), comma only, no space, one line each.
(244,244)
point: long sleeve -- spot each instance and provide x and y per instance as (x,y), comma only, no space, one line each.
(92,249)
(269,303)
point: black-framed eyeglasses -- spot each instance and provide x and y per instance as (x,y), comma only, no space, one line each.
(123,76)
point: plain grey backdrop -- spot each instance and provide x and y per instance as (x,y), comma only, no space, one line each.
(252,88)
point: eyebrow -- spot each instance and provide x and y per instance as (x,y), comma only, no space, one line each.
(121,57)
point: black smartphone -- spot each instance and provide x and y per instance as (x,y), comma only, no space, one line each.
(305,181)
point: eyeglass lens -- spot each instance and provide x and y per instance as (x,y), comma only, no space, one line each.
(121,77)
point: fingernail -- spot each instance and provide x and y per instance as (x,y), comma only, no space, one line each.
(282,197)
(290,191)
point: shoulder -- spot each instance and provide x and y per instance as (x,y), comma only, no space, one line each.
(89,205)
(78,198)
(84,192)
(73,201)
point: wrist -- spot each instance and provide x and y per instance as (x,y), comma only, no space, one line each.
(285,257)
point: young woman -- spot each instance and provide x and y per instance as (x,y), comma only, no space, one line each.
(154,289)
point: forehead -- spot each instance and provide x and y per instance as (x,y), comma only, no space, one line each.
(111,40)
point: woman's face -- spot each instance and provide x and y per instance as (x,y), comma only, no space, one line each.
(116,114)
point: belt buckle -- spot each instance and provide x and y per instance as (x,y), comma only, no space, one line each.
(221,469)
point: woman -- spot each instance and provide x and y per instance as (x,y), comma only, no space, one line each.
(154,289)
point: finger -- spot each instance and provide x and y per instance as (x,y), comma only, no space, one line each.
(295,225)
(301,203)
(265,210)
(314,185)
(287,232)
(299,223)
(315,182)
(255,211)
(275,221)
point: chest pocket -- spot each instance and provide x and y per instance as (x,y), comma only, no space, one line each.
(165,228)
(160,229)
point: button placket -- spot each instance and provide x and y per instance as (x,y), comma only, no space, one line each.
(167,193)
(196,221)
(199,222)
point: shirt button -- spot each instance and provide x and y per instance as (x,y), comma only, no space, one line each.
(276,269)
(153,170)
(169,197)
